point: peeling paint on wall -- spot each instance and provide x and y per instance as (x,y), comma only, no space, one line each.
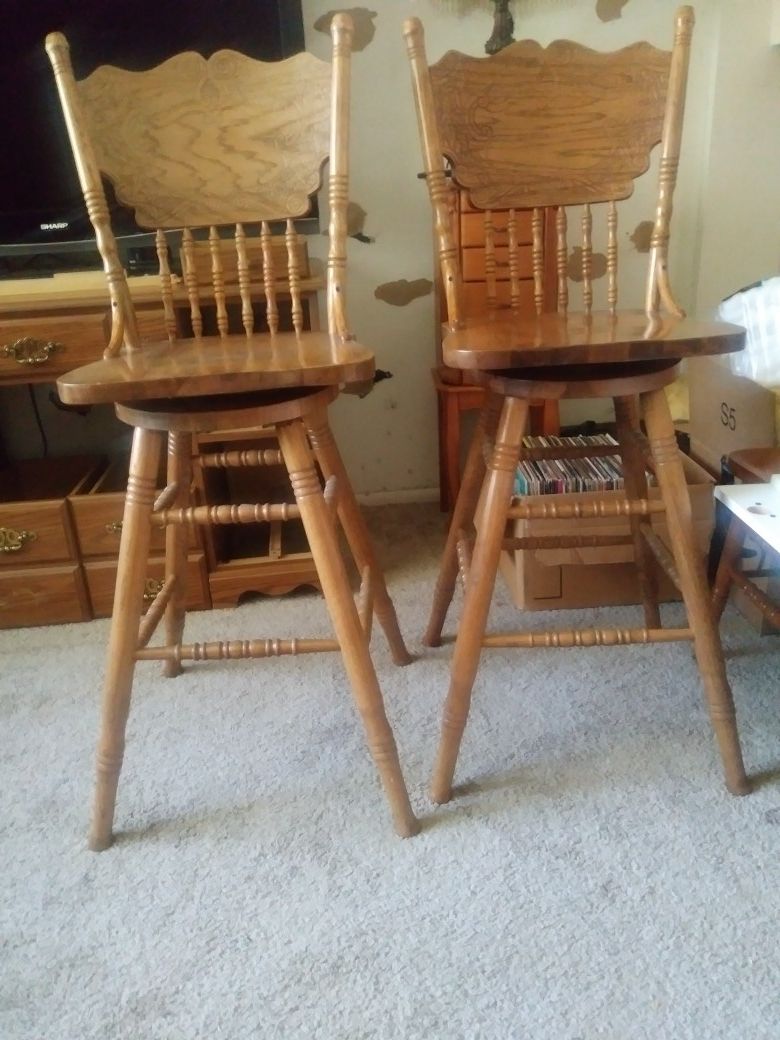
(363,20)
(356,221)
(608,10)
(574,269)
(402,292)
(640,239)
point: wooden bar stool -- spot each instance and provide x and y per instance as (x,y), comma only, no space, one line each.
(541,129)
(193,146)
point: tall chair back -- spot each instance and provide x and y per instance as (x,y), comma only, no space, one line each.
(210,153)
(563,126)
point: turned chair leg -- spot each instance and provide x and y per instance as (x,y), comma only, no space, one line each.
(323,541)
(499,483)
(176,537)
(730,553)
(123,641)
(462,518)
(635,478)
(690,567)
(352,521)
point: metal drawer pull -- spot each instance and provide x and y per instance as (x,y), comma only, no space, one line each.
(152,586)
(14,541)
(115,527)
(29,351)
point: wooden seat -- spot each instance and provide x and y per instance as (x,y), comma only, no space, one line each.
(192,146)
(548,129)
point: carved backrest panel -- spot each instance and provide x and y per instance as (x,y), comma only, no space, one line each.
(197,144)
(534,126)
(543,129)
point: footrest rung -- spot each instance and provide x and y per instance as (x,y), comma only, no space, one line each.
(365,602)
(757,597)
(463,548)
(588,637)
(227,514)
(585,510)
(233,459)
(166,496)
(567,541)
(236,649)
(151,619)
(331,494)
(662,554)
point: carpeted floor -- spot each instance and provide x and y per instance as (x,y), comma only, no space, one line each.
(592,879)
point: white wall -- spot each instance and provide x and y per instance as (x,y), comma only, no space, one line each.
(740,213)
(726,206)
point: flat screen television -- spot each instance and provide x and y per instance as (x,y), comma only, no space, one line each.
(43,221)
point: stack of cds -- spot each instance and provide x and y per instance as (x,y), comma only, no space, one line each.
(564,476)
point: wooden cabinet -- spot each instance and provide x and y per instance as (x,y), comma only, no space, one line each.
(41,577)
(97,519)
(51,325)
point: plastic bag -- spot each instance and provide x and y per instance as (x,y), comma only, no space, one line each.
(757,308)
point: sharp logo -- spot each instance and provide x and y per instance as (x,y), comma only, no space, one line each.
(56,225)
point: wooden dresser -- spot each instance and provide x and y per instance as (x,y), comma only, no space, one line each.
(60,519)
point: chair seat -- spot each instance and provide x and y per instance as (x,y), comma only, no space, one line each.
(507,340)
(754,465)
(219,365)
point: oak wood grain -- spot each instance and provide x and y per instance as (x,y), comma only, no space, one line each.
(505,340)
(506,121)
(199,141)
(216,365)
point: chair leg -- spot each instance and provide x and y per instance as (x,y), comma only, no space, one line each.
(179,473)
(733,541)
(323,541)
(499,481)
(462,518)
(690,567)
(329,458)
(626,414)
(128,602)
(448,405)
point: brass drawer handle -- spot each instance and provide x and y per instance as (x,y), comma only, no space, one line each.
(115,527)
(14,541)
(29,351)
(152,586)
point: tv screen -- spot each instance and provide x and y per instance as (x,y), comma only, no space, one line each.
(41,205)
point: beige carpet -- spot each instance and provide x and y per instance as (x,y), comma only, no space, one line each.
(592,879)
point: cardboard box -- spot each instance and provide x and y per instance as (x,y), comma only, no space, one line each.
(550,579)
(727,412)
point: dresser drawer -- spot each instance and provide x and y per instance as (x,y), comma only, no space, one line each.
(43,596)
(474,297)
(42,348)
(48,346)
(35,524)
(97,515)
(472,227)
(474,263)
(101,579)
